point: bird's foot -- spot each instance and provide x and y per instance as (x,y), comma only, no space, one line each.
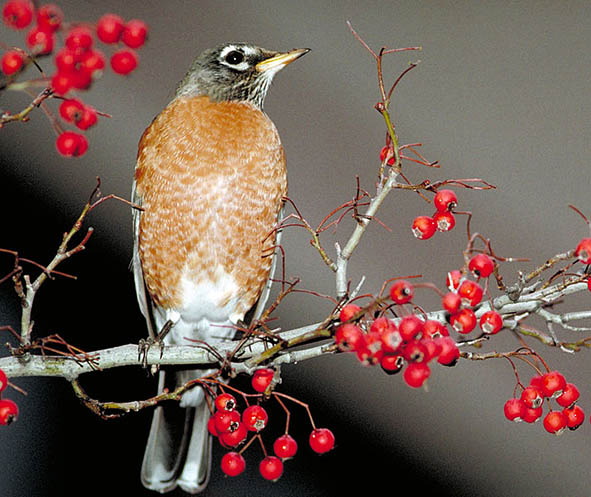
(145,344)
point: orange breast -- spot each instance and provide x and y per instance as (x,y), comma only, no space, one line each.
(210,177)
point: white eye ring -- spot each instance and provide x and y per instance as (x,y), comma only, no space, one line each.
(242,66)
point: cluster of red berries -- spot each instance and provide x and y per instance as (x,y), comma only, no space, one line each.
(232,428)
(529,406)
(78,63)
(445,201)
(8,409)
(411,341)
(465,293)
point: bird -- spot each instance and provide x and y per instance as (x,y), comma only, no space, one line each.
(210,183)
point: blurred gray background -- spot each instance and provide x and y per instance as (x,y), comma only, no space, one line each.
(502,93)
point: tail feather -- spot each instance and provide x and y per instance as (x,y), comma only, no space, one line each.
(195,474)
(178,451)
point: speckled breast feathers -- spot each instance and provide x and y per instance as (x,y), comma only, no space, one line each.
(210,177)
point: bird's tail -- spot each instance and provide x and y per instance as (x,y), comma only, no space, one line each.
(178,452)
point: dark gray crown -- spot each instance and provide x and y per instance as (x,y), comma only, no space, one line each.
(228,72)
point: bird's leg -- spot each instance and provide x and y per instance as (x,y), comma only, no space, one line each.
(162,334)
(145,344)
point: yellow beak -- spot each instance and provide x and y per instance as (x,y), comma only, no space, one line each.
(280,60)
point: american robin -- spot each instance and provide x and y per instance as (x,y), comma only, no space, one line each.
(210,177)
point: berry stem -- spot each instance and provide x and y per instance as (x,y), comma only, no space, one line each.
(287,413)
(234,389)
(258,435)
(252,439)
(299,402)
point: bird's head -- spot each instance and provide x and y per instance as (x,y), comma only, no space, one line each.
(235,71)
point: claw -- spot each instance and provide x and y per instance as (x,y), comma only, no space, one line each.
(145,344)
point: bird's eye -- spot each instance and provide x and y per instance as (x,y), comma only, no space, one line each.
(234,57)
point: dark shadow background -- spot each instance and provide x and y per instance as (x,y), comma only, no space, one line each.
(502,93)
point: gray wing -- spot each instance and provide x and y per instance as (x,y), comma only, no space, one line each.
(262,302)
(138,275)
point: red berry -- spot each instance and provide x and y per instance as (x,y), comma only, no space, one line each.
(532,397)
(583,251)
(348,337)
(444,221)
(81,80)
(536,381)
(66,60)
(71,144)
(124,61)
(226,420)
(570,394)
(449,352)
(514,409)
(3,380)
(423,227)
(391,340)
(79,39)
(491,322)
(364,354)
(401,292)
(92,61)
(225,402)
(62,82)
(555,422)
(235,436)
(135,33)
(18,14)
(431,347)
(463,321)
(410,327)
(348,312)
(49,17)
(414,351)
(285,446)
(434,329)
(451,302)
(88,119)
(71,110)
(481,266)
(416,373)
(40,41)
(392,364)
(8,411)
(233,464)
(109,28)
(381,325)
(369,350)
(531,414)
(387,152)
(261,379)
(321,440)
(470,292)
(553,383)
(453,279)
(12,62)
(211,427)
(445,200)
(271,468)
(386,330)
(255,418)
(574,417)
